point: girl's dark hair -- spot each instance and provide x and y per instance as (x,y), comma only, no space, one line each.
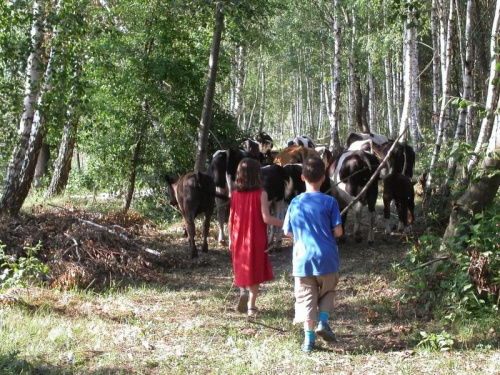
(313,169)
(248,175)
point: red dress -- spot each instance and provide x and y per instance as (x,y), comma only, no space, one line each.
(251,263)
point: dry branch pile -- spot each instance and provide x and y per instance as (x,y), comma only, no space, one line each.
(84,249)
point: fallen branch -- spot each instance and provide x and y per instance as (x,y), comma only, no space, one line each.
(430,262)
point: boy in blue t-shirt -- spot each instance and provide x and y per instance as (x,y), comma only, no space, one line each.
(313,218)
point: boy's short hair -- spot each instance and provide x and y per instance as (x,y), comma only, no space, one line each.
(313,169)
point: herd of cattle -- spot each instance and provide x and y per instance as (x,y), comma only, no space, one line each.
(366,159)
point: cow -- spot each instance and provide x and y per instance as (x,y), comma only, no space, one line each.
(294,154)
(265,142)
(222,169)
(299,186)
(279,187)
(302,140)
(399,188)
(402,159)
(194,193)
(349,174)
(379,139)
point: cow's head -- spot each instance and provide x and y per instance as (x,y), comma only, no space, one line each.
(172,189)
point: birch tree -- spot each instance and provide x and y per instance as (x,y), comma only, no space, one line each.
(13,197)
(493,94)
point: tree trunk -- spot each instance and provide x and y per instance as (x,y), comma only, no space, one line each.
(351,113)
(262,108)
(464,106)
(389,94)
(436,68)
(335,105)
(444,115)
(415,96)
(14,194)
(481,194)
(133,167)
(408,67)
(42,164)
(62,165)
(206,113)
(492,98)
(238,86)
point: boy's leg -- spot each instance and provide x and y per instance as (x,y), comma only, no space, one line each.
(306,307)
(327,285)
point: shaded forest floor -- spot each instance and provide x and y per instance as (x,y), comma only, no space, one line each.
(103,252)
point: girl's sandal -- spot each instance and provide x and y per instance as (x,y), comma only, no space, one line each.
(252,312)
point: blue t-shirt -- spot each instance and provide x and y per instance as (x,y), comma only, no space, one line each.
(311,218)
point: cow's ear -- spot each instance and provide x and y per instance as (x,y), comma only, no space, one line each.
(169,179)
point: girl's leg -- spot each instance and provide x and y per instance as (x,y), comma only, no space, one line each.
(254,291)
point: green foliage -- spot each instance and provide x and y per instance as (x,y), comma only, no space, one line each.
(23,271)
(436,342)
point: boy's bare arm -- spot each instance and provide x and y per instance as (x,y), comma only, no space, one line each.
(338,231)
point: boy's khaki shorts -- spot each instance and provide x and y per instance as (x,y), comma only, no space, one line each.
(313,294)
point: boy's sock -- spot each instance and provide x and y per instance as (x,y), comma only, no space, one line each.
(323,317)
(309,336)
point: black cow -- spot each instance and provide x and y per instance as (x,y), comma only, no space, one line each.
(222,169)
(194,193)
(399,188)
(299,186)
(402,159)
(349,174)
(302,140)
(278,186)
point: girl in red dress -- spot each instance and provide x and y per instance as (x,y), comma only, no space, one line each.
(248,231)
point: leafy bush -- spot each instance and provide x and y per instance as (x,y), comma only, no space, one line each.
(22,271)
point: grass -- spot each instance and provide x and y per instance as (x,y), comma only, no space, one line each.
(189,324)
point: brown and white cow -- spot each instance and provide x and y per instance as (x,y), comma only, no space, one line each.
(194,193)
(349,174)
(294,154)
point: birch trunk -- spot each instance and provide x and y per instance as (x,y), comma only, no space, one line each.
(436,68)
(415,95)
(62,165)
(335,104)
(238,86)
(444,119)
(262,108)
(12,199)
(210,91)
(371,97)
(389,94)
(351,114)
(464,106)
(492,96)
(407,68)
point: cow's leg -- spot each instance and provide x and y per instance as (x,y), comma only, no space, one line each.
(280,213)
(372,201)
(271,228)
(191,229)
(387,213)
(206,228)
(358,207)
(371,234)
(221,218)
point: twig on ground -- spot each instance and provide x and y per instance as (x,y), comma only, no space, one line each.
(430,262)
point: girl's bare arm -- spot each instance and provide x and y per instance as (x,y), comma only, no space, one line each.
(266,215)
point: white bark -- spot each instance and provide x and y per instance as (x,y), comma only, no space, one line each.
(335,104)
(408,53)
(436,68)
(492,98)
(389,94)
